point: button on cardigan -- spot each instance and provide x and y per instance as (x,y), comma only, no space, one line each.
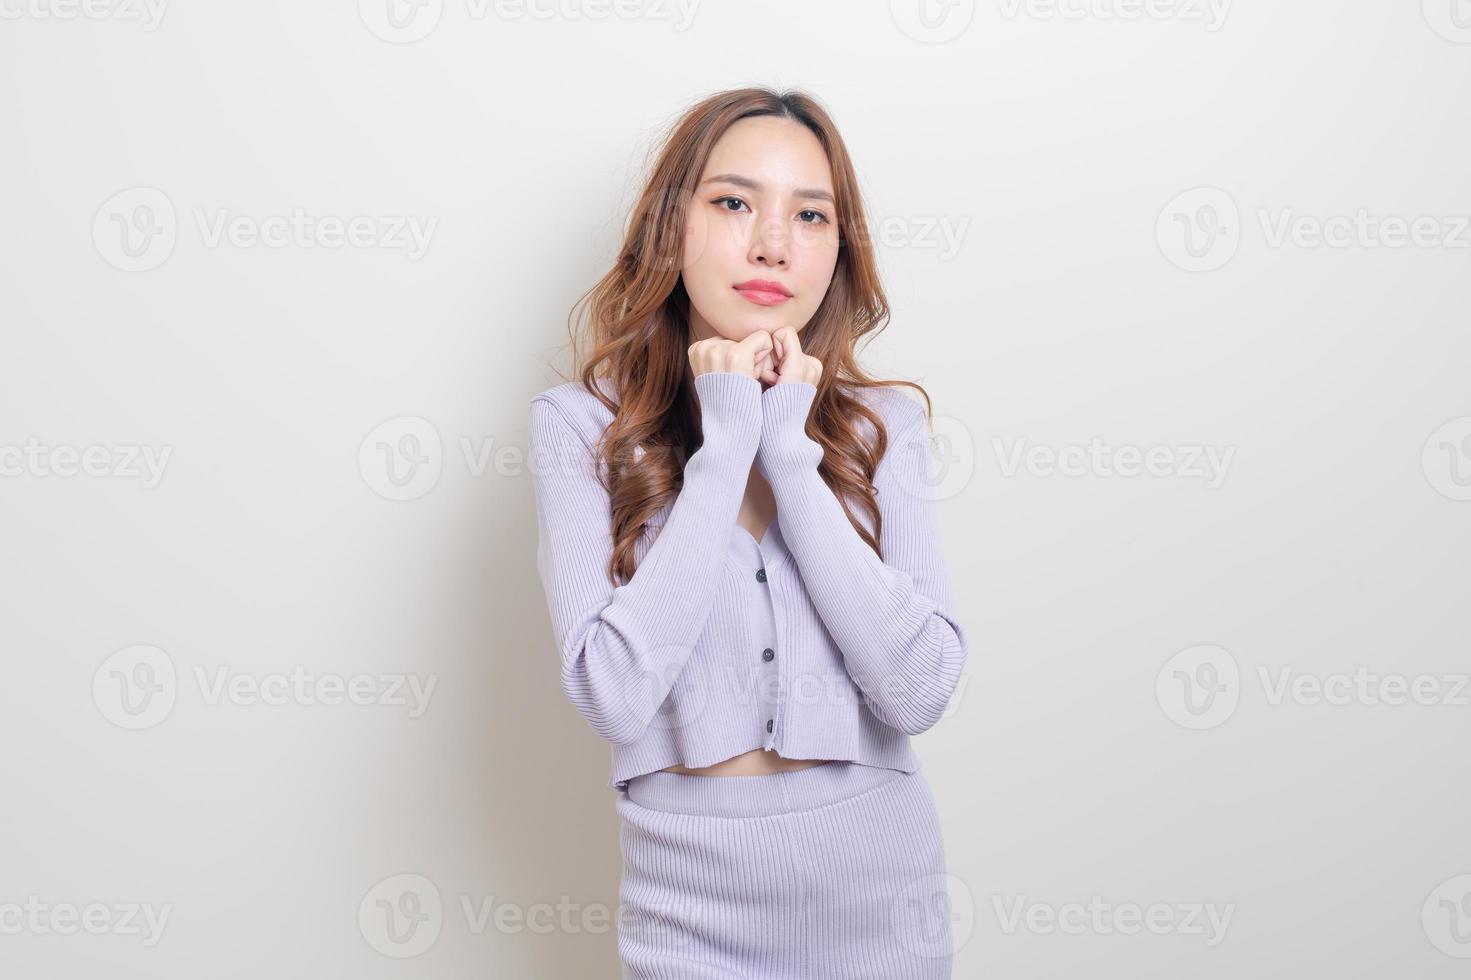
(804,642)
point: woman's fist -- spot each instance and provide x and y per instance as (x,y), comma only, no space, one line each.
(751,356)
(791,363)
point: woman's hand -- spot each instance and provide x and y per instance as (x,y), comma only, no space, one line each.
(749,356)
(766,366)
(791,364)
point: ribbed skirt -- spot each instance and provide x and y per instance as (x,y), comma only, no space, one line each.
(834,872)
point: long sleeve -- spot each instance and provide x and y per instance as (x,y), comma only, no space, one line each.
(623,648)
(893,620)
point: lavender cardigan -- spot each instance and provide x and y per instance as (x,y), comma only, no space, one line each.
(804,642)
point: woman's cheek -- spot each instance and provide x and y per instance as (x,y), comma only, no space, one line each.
(696,239)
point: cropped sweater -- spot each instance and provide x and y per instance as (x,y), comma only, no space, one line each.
(804,642)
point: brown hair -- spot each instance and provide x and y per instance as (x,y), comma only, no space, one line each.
(638,328)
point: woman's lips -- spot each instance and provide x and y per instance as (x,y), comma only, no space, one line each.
(763,297)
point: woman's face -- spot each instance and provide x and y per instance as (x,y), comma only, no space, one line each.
(763,211)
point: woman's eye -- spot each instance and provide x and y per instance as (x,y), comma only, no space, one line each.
(817,216)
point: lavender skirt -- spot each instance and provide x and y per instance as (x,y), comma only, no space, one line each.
(836,872)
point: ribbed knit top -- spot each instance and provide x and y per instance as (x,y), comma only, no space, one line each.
(804,642)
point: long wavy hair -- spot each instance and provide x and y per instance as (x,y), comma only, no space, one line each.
(635,325)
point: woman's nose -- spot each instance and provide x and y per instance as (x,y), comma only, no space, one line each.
(771,241)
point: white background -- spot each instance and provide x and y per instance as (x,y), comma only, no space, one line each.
(1049,178)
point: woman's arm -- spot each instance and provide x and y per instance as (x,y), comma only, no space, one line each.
(894,620)
(623,648)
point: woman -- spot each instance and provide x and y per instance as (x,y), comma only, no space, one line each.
(742,567)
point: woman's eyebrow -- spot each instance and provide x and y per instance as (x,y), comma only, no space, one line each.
(747,182)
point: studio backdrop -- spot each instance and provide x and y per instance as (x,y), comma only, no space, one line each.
(1187,282)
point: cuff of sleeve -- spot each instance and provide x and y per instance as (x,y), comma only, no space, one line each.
(730,408)
(788,403)
(784,439)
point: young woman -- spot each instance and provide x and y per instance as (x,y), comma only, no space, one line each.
(740,557)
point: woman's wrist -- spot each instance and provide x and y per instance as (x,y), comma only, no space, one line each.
(785,408)
(730,413)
